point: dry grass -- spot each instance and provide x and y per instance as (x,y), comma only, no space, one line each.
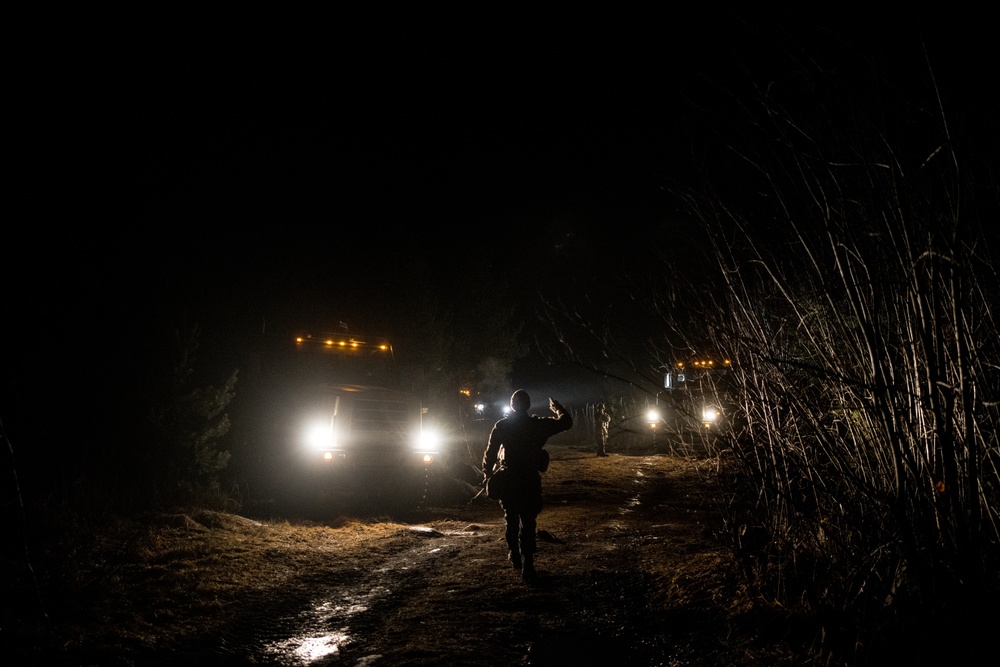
(630,558)
(195,573)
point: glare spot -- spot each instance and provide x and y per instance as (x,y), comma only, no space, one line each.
(315,641)
(308,649)
(630,504)
(314,648)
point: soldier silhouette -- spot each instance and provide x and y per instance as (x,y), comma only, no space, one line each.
(517,444)
(602,420)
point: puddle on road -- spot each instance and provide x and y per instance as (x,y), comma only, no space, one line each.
(634,501)
(305,650)
(630,504)
(321,630)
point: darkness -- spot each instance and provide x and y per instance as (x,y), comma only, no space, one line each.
(237,170)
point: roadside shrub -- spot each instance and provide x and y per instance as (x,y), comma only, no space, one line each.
(188,431)
(856,287)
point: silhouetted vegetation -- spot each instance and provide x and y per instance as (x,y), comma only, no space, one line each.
(848,267)
(186,451)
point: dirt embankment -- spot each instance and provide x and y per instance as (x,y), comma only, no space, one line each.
(630,569)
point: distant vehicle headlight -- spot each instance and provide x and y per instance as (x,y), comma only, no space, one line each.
(710,415)
(653,416)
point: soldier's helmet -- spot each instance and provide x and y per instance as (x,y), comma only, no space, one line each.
(520,401)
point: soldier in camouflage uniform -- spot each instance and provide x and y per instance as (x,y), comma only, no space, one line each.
(517,443)
(603,420)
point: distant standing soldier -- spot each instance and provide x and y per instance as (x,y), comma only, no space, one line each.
(517,443)
(603,420)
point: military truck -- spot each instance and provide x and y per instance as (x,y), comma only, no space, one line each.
(350,426)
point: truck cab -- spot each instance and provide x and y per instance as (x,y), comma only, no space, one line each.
(364,428)
(348,422)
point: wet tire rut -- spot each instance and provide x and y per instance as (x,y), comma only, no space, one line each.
(441,592)
(344,614)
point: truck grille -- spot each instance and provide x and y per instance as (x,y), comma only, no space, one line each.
(380,415)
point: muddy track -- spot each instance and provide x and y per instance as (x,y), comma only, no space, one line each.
(440,591)
(630,571)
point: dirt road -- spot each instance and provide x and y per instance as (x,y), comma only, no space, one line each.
(630,570)
(615,539)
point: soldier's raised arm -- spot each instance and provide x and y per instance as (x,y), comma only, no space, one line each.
(563,417)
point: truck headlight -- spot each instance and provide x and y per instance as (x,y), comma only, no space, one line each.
(320,436)
(428,441)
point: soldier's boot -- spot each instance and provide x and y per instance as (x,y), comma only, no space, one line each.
(528,571)
(514,553)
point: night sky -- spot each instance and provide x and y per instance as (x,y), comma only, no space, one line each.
(235,168)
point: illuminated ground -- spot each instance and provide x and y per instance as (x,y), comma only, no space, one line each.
(630,564)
